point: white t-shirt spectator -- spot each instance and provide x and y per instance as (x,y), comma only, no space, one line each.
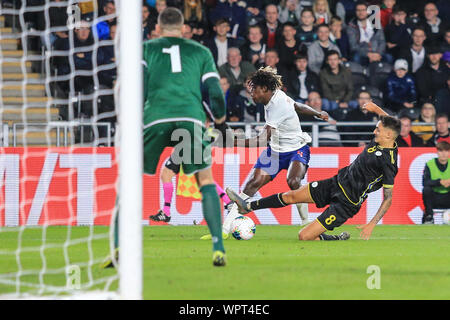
(366,33)
(222,48)
(417,59)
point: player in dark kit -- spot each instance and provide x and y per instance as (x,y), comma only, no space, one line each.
(374,168)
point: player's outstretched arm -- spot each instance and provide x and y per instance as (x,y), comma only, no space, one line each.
(372,107)
(366,230)
(304,109)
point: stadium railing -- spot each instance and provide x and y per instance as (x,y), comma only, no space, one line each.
(248,129)
(313,128)
(63,130)
(4,135)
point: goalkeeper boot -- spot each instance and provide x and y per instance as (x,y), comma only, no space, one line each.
(209,237)
(219,259)
(241,203)
(111,261)
(160,217)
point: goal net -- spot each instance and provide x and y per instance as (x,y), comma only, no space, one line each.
(62,167)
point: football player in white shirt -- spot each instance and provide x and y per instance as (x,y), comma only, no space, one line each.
(288,145)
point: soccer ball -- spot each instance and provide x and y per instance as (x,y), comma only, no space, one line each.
(243,228)
(446,217)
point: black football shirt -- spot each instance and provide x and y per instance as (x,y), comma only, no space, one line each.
(374,168)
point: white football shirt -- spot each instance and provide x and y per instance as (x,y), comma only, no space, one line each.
(281,115)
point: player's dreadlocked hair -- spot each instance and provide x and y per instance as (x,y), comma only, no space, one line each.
(265,77)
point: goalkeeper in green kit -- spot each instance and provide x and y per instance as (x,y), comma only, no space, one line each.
(174,116)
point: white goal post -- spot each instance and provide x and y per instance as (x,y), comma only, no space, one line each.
(64,202)
(131,145)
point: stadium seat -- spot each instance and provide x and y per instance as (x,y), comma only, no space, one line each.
(373,91)
(380,103)
(379,81)
(413,113)
(359,80)
(379,72)
(359,73)
(356,67)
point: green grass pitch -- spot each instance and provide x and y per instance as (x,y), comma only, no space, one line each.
(413,263)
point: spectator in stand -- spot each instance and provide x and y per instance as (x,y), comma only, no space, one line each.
(272,59)
(236,13)
(220,42)
(106,57)
(401,90)
(427,114)
(146,22)
(176,3)
(408,138)
(442,131)
(397,33)
(227,93)
(339,37)
(414,8)
(443,95)
(434,26)
(154,33)
(187,31)
(82,58)
(102,28)
(416,53)
(290,12)
(322,12)
(319,48)
(436,183)
(159,6)
(444,9)
(367,43)
(328,135)
(249,110)
(306,33)
(445,46)
(194,16)
(271,26)
(432,76)
(254,12)
(254,50)
(233,114)
(58,18)
(289,47)
(346,9)
(301,82)
(356,135)
(336,83)
(386,12)
(235,69)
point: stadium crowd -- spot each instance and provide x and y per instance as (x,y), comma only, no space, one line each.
(332,54)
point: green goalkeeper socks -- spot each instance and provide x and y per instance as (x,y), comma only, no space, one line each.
(213,215)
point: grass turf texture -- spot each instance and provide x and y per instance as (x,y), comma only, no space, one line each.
(413,262)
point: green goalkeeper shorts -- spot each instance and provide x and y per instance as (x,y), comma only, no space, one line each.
(192,145)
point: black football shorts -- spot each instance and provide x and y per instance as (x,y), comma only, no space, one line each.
(328,192)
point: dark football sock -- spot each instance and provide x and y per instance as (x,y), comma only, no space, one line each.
(328,237)
(273,201)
